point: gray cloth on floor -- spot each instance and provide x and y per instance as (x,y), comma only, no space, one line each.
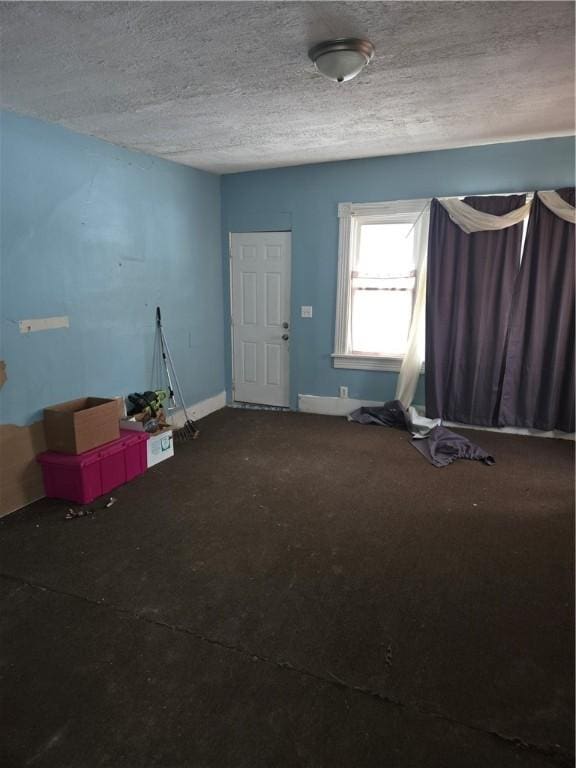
(442,446)
(421,426)
(394,414)
(391,414)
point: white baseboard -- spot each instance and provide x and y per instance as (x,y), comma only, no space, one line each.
(342,406)
(332,406)
(199,410)
(514,431)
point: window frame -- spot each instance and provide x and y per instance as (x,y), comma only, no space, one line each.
(351,217)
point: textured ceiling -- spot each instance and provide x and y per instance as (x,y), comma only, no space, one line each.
(227,86)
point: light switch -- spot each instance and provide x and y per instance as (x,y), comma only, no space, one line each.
(305,311)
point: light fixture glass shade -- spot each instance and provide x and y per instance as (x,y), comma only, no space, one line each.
(343,58)
(341,65)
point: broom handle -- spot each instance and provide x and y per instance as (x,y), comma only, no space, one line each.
(166,348)
(176,380)
(163,350)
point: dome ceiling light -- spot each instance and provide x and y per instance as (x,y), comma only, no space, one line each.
(343,58)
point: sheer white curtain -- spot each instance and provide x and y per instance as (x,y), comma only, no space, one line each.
(412,363)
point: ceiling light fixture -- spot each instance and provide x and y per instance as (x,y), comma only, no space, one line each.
(343,58)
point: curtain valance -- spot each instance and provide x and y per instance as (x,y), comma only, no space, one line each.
(472,220)
(558,205)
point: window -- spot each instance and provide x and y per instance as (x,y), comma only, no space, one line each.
(379,254)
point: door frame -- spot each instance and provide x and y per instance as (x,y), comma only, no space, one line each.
(231,314)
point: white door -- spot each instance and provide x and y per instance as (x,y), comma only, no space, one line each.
(260,278)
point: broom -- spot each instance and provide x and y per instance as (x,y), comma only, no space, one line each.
(189,430)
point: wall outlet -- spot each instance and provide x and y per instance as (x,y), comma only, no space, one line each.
(305,311)
(343,392)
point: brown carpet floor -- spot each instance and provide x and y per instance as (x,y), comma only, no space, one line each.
(295,590)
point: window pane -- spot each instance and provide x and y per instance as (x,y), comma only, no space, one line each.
(385,249)
(381,321)
(383,282)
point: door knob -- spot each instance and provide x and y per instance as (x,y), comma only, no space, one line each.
(284,325)
(285,337)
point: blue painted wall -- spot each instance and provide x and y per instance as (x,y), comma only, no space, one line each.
(103,235)
(305,199)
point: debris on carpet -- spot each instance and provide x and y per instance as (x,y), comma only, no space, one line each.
(72,513)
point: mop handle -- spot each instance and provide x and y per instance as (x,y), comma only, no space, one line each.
(163,345)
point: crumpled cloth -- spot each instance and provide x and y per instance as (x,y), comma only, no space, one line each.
(439,445)
(394,414)
(442,446)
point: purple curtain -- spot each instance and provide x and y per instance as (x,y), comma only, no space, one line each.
(469,292)
(538,381)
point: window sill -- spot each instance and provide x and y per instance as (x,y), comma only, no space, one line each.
(368,362)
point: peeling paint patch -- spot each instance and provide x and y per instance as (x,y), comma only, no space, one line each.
(43,324)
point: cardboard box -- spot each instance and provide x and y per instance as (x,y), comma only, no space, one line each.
(133,424)
(20,475)
(138,422)
(160,446)
(80,425)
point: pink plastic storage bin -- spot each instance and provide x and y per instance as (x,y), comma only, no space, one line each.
(83,477)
